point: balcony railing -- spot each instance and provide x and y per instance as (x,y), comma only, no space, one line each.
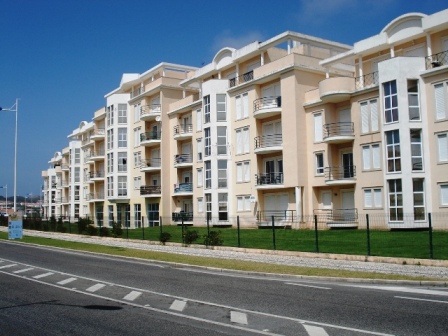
(340,173)
(269,178)
(337,215)
(182,216)
(437,60)
(338,129)
(97,153)
(183,129)
(268,140)
(93,196)
(279,215)
(183,158)
(154,163)
(365,81)
(137,92)
(248,76)
(150,190)
(92,175)
(150,109)
(183,187)
(148,136)
(267,103)
(99,132)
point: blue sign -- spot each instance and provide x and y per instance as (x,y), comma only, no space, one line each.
(15,229)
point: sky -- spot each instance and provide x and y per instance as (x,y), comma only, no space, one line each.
(60,57)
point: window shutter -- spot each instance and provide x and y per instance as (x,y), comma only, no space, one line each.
(365,117)
(444,194)
(246,171)
(442,140)
(238,107)
(239,142)
(368,198)
(440,101)
(245,105)
(246,140)
(366,157)
(240,203)
(318,127)
(374,114)
(376,156)
(239,172)
(378,198)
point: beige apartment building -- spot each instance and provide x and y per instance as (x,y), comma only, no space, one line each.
(284,129)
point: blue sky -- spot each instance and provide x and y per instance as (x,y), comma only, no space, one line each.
(60,57)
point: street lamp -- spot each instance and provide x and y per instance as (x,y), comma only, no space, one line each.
(16,110)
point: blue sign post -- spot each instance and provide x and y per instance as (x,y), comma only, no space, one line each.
(15,227)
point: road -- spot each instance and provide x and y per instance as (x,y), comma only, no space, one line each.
(47,291)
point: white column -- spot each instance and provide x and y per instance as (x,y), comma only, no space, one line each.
(299,205)
(428,45)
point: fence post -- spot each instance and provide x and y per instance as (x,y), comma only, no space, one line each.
(127,230)
(69,226)
(431,248)
(368,234)
(160,225)
(208,226)
(316,234)
(238,229)
(273,232)
(183,232)
(143,228)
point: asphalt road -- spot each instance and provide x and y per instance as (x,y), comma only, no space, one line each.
(46,291)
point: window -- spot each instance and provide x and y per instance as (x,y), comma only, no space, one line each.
(371,157)
(137,215)
(110,162)
(243,203)
(76,193)
(199,147)
(206,109)
(122,114)
(110,115)
(419,198)
(416,150)
(137,182)
(77,175)
(318,127)
(208,205)
(242,140)
(208,174)
(319,163)
(413,100)
(395,200)
(442,144)
(390,102)
(198,120)
(122,186)
(444,194)
(440,91)
(77,155)
(221,109)
(243,171)
(222,140)
(208,142)
(369,116)
(110,214)
(122,138)
(242,106)
(137,137)
(110,186)
(393,151)
(200,177)
(137,159)
(122,162)
(200,204)
(222,207)
(110,139)
(136,113)
(222,173)
(373,198)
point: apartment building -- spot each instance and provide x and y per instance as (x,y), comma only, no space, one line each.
(286,128)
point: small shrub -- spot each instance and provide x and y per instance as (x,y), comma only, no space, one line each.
(104,231)
(213,239)
(164,237)
(190,236)
(82,224)
(91,230)
(53,223)
(60,226)
(117,230)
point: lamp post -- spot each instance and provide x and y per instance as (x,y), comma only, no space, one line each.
(16,110)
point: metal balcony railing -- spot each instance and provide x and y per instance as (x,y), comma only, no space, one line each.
(365,81)
(183,158)
(268,140)
(269,178)
(183,187)
(97,174)
(150,190)
(136,92)
(153,135)
(150,109)
(336,215)
(182,216)
(182,129)
(437,60)
(98,132)
(97,153)
(339,173)
(248,76)
(267,102)
(154,162)
(93,196)
(338,129)
(279,215)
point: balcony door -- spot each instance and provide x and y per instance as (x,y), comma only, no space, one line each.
(272,134)
(276,205)
(347,165)
(270,94)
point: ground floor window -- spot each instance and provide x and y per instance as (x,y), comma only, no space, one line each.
(395,200)
(153,214)
(137,215)
(99,215)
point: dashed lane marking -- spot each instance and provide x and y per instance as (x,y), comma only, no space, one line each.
(419,299)
(94,288)
(315,331)
(298,284)
(23,270)
(237,317)
(132,296)
(42,275)
(7,266)
(66,281)
(178,305)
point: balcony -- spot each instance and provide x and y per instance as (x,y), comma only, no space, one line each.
(98,134)
(338,218)
(150,191)
(150,139)
(65,183)
(182,216)
(181,132)
(269,179)
(65,166)
(340,175)
(338,132)
(267,107)
(269,143)
(96,155)
(92,197)
(183,160)
(86,142)
(95,176)
(150,112)
(336,89)
(248,76)
(150,165)
(281,218)
(183,188)
(367,81)
(437,60)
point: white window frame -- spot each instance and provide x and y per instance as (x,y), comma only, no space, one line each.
(221,107)
(442,147)
(319,169)
(393,158)
(122,137)
(318,127)
(122,114)
(391,102)
(200,177)
(137,136)
(414,95)
(242,140)
(221,140)
(242,106)
(243,171)
(371,157)
(369,116)
(415,194)
(441,100)
(207,114)
(207,142)
(137,182)
(222,174)
(243,203)
(208,174)
(198,120)
(395,195)
(373,198)
(417,151)
(443,188)
(122,185)
(200,204)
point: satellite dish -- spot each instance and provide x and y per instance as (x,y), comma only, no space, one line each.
(158,118)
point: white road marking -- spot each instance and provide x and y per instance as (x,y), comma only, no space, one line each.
(66,281)
(132,296)
(418,299)
(315,331)
(24,270)
(178,305)
(299,284)
(7,266)
(405,290)
(237,317)
(42,275)
(94,288)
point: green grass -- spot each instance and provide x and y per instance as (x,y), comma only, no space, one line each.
(211,262)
